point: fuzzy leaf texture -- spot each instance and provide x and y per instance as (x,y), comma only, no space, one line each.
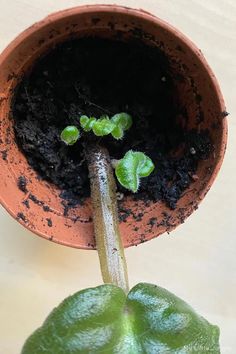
(131,168)
(115,126)
(104,319)
(87,123)
(103,126)
(123,122)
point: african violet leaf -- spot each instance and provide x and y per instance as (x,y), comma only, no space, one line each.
(131,168)
(104,125)
(70,135)
(123,122)
(100,127)
(87,123)
(104,320)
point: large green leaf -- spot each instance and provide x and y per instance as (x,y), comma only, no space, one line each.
(104,320)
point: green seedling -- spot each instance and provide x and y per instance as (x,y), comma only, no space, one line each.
(131,168)
(70,135)
(111,318)
(116,125)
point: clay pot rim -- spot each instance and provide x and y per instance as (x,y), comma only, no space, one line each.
(142,15)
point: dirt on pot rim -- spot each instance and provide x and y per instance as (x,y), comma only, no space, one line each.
(37,204)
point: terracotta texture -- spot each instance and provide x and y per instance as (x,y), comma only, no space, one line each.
(38,206)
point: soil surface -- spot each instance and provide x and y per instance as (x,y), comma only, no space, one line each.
(96,76)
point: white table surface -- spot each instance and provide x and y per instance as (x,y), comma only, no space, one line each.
(197,261)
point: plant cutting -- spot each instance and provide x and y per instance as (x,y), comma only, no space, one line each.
(111,318)
(178,122)
(181,75)
(106,320)
(128,170)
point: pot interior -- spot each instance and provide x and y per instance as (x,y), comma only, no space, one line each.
(38,204)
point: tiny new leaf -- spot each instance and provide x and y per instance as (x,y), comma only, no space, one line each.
(104,319)
(87,123)
(70,135)
(104,125)
(123,121)
(131,168)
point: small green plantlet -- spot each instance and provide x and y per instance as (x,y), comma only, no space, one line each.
(87,123)
(116,125)
(123,122)
(134,165)
(70,135)
(131,168)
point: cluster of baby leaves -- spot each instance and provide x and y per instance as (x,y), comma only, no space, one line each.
(133,166)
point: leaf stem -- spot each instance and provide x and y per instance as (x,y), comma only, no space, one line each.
(105,218)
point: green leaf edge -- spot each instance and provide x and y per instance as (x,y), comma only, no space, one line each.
(135,294)
(116,125)
(133,166)
(76,136)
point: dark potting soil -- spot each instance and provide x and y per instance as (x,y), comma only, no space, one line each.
(96,76)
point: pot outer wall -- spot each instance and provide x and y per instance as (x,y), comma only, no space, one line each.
(39,207)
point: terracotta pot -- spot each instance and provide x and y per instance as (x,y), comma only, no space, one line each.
(39,207)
